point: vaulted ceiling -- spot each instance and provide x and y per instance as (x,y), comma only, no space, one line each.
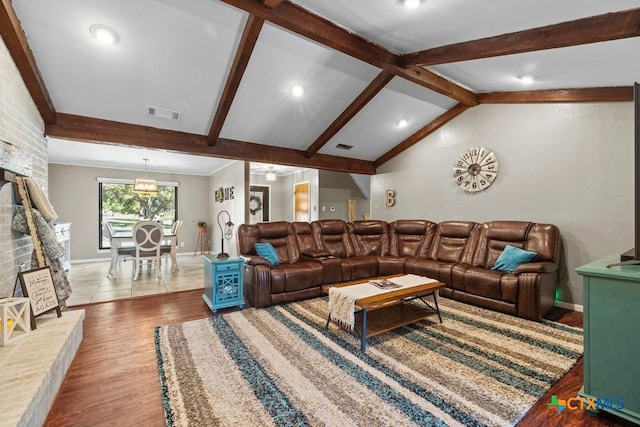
(225,68)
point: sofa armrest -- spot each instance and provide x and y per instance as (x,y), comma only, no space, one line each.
(257,284)
(257,260)
(536,267)
(316,253)
(536,295)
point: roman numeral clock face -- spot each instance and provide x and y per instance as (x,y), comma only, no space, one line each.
(476,169)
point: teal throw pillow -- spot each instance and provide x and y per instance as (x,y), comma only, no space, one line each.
(511,257)
(266,250)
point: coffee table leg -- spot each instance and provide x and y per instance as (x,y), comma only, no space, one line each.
(363,337)
(435,300)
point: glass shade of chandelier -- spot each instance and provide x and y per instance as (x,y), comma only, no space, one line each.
(145,186)
(270,175)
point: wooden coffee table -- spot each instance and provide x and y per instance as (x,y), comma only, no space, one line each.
(389,310)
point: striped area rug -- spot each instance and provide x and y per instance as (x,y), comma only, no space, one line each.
(280,367)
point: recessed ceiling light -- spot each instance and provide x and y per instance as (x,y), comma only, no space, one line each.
(296,90)
(103,34)
(527,79)
(411,4)
(402,123)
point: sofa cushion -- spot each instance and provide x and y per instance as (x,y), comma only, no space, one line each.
(512,257)
(332,235)
(455,241)
(270,230)
(304,236)
(369,237)
(266,250)
(295,277)
(359,267)
(483,282)
(409,238)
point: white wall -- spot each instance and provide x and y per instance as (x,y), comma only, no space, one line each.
(336,189)
(22,126)
(566,164)
(282,193)
(235,175)
(73,191)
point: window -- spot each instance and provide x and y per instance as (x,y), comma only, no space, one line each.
(121,207)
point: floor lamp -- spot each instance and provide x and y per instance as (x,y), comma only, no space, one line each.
(226,232)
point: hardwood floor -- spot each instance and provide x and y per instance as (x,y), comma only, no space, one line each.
(113,379)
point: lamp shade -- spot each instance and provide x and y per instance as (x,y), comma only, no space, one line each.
(226,232)
(145,186)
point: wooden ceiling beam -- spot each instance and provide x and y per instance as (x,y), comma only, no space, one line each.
(595,94)
(610,26)
(358,104)
(422,133)
(271,4)
(298,20)
(87,129)
(239,65)
(20,51)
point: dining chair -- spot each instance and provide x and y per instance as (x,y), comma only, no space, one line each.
(123,251)
(147,239)
(165,249)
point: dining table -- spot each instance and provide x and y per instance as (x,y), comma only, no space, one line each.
(124,240)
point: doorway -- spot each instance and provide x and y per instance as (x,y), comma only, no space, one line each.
(301,201)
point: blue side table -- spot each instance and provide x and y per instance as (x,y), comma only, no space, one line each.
(222,282)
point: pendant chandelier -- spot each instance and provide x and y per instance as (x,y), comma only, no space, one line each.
(270,175)
(145,186)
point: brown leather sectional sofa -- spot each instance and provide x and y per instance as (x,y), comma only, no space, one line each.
(460,254)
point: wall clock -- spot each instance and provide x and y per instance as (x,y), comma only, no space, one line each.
(476,169)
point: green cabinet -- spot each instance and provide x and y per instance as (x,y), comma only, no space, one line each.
(612,337)
(222,282)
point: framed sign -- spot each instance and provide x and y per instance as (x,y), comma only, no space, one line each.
(37,285)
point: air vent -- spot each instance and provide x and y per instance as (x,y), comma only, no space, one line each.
(344,146)
(163,113)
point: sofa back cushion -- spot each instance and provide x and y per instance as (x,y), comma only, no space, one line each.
(247,238)
(411,237)
(455,241)
(369,237)
(333,235)
(304,236)
(280,235)
(543,239)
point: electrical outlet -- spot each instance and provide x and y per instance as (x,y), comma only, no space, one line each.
(182,244)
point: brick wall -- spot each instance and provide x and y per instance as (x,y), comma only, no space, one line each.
(22,126)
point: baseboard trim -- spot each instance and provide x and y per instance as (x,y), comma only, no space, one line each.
(569,306)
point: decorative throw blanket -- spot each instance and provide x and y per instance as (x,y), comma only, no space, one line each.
(53,250)
(342,299)
(46,233)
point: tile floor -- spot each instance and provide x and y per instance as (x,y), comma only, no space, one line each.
(89,281)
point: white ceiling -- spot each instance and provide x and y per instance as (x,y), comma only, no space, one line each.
(176,54)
